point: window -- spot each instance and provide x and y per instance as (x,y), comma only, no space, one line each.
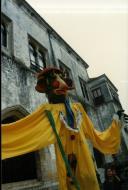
(3,35)
(66,71)
(84,88)
(97,93)
(97,96)
(37,55)
(32,52)
(6,34)
(41,59)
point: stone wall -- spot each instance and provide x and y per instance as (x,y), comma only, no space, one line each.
(18,86)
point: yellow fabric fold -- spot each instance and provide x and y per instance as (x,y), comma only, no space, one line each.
(28,134)
(34,132)
(108,141)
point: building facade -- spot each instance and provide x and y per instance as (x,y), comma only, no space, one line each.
(29,44)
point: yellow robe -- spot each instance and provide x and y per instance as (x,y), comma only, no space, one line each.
(34,132)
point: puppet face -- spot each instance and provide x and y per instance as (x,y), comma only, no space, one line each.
(56,84)
(53,82)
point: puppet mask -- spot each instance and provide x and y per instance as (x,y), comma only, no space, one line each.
(52,81)
(59,86)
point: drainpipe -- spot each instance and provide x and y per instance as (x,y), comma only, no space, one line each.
(51,47)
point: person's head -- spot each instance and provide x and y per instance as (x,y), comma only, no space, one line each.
(109,172)
(52,82)
(113,168)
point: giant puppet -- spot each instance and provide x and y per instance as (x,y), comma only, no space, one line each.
(67,126)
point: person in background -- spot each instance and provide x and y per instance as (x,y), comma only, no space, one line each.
(112,180)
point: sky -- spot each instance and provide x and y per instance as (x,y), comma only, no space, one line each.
(98,31)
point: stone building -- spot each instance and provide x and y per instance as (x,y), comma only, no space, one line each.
(29,44)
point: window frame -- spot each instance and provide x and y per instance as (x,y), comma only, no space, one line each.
(43,58)
(98,97)
(39,49)
(97,92)
(4,35)
(8,25)
(32,51)
(65,67)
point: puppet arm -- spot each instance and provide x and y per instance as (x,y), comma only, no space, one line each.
(108,141)
(28,134)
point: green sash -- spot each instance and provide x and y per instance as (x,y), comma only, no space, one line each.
(68,168)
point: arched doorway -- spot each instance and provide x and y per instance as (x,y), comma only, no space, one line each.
(22,167)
